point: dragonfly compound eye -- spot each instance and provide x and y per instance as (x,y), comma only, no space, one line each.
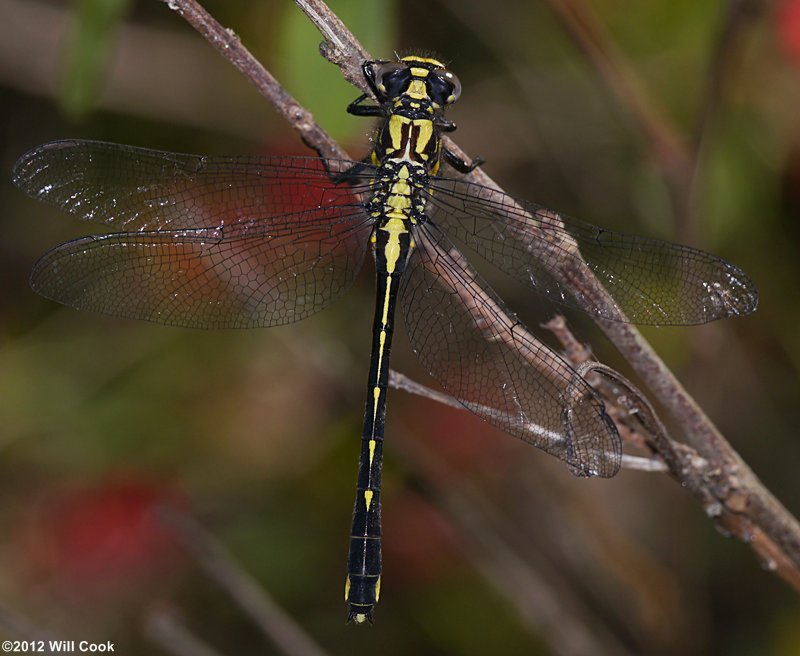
(443,87)
(392,79)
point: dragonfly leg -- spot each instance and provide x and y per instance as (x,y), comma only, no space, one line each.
(459,163)
(358,108)
(445,125)
(337,177)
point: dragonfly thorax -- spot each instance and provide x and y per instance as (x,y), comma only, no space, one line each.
(414,92)
(414,140)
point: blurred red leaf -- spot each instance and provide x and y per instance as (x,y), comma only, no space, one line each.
(94,539)
(787,28)
(422,545)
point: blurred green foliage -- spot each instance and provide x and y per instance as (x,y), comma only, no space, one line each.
(96,25)
(311,79)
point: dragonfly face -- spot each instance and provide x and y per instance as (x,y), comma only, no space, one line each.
(413,79)
(239,242)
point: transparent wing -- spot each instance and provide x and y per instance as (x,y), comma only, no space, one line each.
(132,188)
(483,356)
(210,242)
(226,277)
(651,281)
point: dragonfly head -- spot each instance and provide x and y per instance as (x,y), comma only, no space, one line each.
(416,79)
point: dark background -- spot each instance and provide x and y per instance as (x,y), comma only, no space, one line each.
(490,546)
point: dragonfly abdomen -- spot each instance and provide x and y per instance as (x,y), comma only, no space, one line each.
(362,588)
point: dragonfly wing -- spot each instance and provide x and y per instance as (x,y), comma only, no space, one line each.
(651,281)
(133,189)
(482,355)
(238,276)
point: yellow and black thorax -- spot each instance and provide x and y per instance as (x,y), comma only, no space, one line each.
(412,94)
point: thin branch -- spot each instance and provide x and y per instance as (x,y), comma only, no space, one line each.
(665,142)
(230,47)
(166,629)
(402,382)
(680,158)
(619,407)
(639,463)
(544,603)
(725,59)
(20,627)
(340,46)
(730,479)
(220,567)
(735,504)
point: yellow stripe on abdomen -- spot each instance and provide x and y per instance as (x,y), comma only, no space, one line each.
(395,227)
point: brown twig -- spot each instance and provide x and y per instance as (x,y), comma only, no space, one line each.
(756,516)
(666,145)
(725,58)
(164,628)
(231,48)
(256,603)
(680,158)
(340,46)
(617,404)
(402,382)
(737,504)
(542,600)
(20,627)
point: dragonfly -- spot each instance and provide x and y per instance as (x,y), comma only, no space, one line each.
(255,241)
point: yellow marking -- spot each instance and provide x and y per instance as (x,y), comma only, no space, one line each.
(421,136)
(385,317)
(375,159)
(371,451)
(376,393)
(359,618)
(368,497)
(395,228)
(401,187)
(346,588)
(423,60)
(424,134)
(419,72)
(396,129)
(398,202)
(378,589)
(417,90)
